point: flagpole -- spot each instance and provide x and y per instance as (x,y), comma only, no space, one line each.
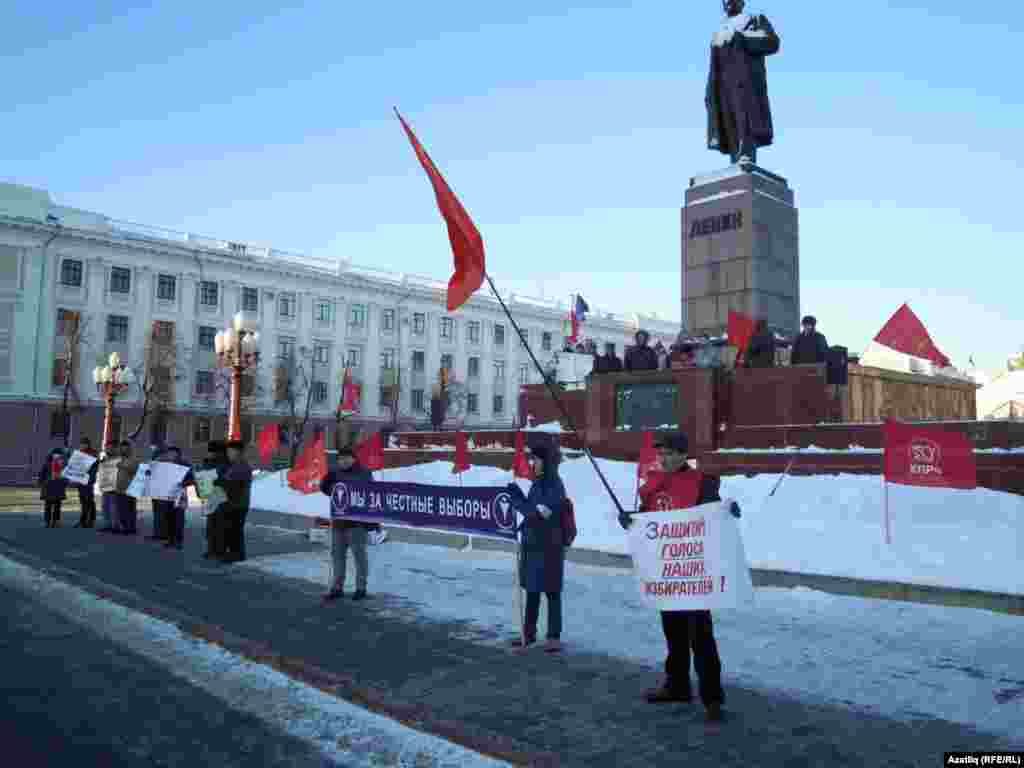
(558,402)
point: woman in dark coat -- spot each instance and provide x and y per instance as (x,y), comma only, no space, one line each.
(52,486)
(542,554)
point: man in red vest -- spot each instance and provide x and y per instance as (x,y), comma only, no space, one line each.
(677,486)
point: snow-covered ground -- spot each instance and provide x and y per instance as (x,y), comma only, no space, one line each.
(344,734)
(899,660)
(820,524)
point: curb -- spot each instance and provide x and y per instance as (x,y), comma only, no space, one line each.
(951,597)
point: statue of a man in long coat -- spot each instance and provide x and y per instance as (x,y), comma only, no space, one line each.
(739,117)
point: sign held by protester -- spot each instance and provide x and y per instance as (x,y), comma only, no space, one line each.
(78,468)
(165,480)
(690,559)
(137,487)
(486,512)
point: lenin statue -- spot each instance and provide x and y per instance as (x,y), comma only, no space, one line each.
(739,118)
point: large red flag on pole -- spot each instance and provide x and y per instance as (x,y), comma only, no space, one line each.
(370,452)
(461,453)
(740,330)
(310,467)
(269,441)
(906,333)
(467,245)
(520,466)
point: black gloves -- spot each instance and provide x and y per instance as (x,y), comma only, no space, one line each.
(516,492)
(734,510)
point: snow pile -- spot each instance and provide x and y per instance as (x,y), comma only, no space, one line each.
(823,524)
(552,427)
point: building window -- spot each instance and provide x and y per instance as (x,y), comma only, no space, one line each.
(352,358)
(163,331)
(67,322)
(474,367)
(322,312)
(447,328)
(160,379)
(201,430)
(419,361)
(120,280)
(387,320)
(60,371)
(417,401)
(71,273)
(499,369)
(285,348)
(209,293)
(117,329)
(321,354)
(57,419)
(447,362)
(473,331)
(250,300)
(387,359)
(499,405)
(206,337)
(247,387)
(204,383)
(545,341)
(472,403)
(319,391)
(166,287)
(499,335)
(286,305)
(357,315)
(609,348)
(385,397)
(419,323)
(524,374)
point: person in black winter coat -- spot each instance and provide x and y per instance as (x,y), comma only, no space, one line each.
(237,484)
(52,486)
(641,357)
(542,554)
(810,347)
(761,352)
(346,534)
(175,524)
(608,362)
(87,492)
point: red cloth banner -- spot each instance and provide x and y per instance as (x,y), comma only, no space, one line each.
(269,441)
(461,453)
(906,333)
(370,452)
(350,394)
(467,245)
(649,461)
(740,330)
(310,468)
(520,466)
(928,457)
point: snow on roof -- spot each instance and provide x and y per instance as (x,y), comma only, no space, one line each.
(718,196)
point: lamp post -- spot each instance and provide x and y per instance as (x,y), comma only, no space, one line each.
(111,380)
(236,348)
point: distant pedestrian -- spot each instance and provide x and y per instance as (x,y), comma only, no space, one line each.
(542,560)
(106,479)
(237,485)
(162,509)
(347,534)
(125,506)
(809,347)
(87,492)
(52,486)
(217,460)
(641,357)
(179,504)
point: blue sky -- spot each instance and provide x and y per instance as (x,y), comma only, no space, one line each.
(569,132)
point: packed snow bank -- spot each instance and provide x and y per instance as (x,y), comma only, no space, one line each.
(823,524)
(552,427)
(888,658)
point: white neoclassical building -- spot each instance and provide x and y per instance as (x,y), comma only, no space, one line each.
(132,284)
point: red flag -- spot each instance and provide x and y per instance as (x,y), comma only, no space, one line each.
(649,461)
(350,394)
(310,467)
(574,323)
(740,329)
(461,453)
(269,440)
(906,333)
(520,466)
(370,452)
(467,245)
(928,456)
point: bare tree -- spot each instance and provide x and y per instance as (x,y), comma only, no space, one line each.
(293,391)
(74,332)
(156,375)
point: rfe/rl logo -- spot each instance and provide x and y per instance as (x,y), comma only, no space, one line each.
(503,512)
(339,499)
(925,458)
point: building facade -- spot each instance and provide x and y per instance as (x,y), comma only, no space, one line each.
(77,286)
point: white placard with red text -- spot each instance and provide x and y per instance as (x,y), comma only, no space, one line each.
(690,559)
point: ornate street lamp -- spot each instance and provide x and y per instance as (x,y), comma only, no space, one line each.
(237,349)
(111,380)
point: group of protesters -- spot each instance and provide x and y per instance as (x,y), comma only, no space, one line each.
(114,470)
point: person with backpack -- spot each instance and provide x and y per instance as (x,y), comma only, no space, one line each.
(546,510)
(52,486)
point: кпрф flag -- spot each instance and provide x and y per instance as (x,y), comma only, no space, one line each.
(906,333)
(467,245)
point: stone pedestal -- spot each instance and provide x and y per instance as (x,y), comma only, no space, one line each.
(740,250)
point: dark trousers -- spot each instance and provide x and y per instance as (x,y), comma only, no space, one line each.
(686,631)
(554,614)
(162,512)
(126,508)
(235,520)
(176,525)
(87,499)
(51,510)
(215,532)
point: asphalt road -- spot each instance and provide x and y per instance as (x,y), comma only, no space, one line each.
(68,698)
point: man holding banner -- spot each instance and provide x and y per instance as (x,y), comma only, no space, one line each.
(347,534)
(669,557)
